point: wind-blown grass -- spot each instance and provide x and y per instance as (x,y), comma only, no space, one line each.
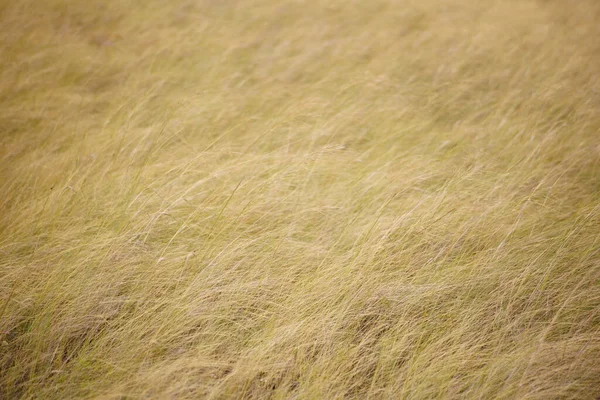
(300,199)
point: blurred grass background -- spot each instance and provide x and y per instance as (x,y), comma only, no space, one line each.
(300,199)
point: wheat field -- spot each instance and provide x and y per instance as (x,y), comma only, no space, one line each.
(310,199)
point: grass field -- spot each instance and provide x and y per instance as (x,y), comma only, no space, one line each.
(300,199)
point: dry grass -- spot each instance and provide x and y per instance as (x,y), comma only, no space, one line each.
(300,199)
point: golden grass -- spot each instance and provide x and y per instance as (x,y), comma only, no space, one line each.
(300,199)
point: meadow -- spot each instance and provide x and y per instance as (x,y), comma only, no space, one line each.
(307,199)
